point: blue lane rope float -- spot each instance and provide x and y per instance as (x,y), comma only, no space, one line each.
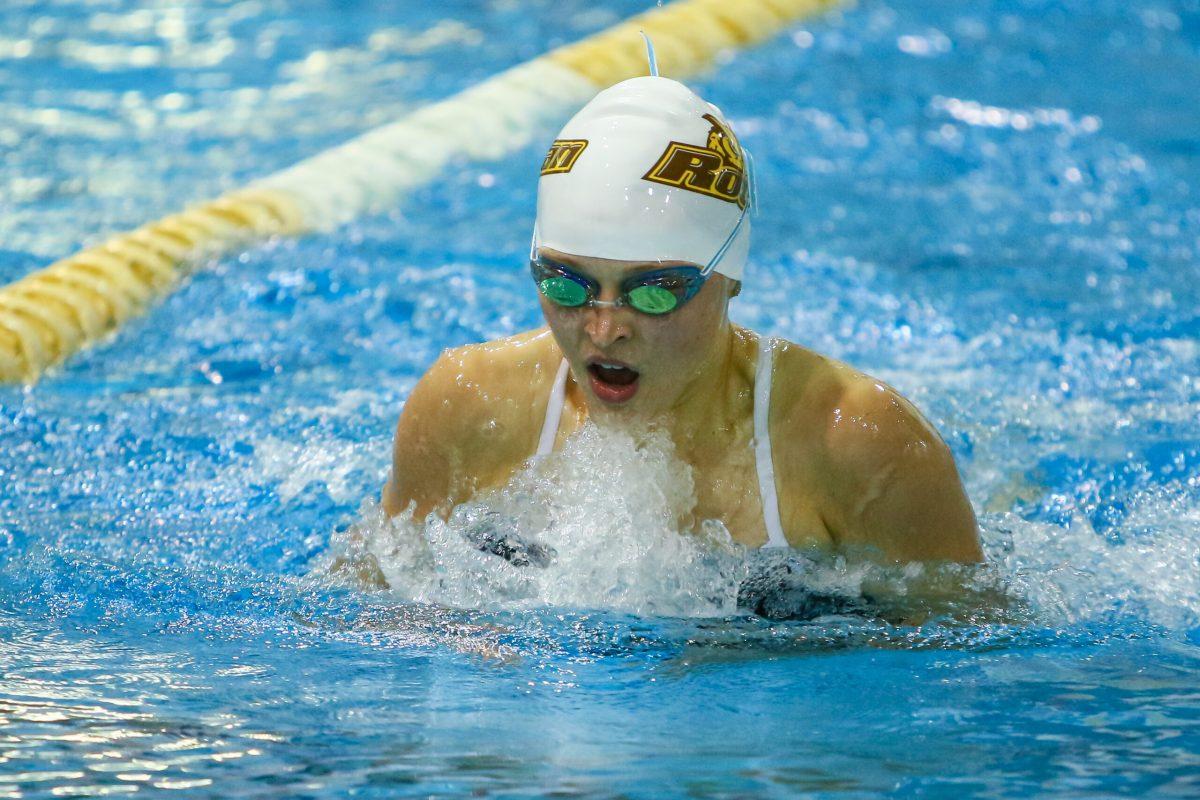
(54,312)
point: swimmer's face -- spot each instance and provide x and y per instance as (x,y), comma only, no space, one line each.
(670,353)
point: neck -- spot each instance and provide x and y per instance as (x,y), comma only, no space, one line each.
(714,402)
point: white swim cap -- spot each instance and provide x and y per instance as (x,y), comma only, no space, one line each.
(647,171)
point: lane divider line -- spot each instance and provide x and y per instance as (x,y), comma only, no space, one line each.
(53,312)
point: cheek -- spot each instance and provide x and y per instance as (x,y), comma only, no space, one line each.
(684,341)
(696,324)
(673,339)
(564,323)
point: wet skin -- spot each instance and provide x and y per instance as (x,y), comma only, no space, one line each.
(858,469)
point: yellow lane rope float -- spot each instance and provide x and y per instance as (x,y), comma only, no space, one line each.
(51,313)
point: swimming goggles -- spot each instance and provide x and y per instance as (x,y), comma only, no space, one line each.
(654,292)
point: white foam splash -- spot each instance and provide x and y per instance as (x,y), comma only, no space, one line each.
(321,460)
(1149,569)
(615,509)
(609,504)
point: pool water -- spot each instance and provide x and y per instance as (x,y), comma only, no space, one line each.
(991,205)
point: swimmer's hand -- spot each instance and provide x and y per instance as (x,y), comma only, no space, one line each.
(490,532)
(783,589)
(798,586)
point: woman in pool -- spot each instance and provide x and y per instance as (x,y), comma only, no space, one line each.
(639,245)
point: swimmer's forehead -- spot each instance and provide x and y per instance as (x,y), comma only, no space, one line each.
(608,265)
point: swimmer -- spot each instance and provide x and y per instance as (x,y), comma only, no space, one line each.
(640,242)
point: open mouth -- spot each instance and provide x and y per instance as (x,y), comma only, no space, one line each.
(613,374)
(612,381)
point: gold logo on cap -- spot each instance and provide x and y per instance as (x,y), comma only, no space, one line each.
(718,169)
(563,155)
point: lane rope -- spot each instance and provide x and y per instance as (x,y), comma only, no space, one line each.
(53,312)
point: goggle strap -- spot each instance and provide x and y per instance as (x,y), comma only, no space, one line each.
(751,170)
(720,254)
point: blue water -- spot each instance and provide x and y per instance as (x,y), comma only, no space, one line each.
(991,205)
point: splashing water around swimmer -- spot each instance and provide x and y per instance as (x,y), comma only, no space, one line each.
(609,506)
(607,522)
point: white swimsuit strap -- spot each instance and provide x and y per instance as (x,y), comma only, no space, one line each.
(762,444)
(554,409)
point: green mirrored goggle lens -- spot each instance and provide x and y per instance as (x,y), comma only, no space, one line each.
(563,291)
(655,293)
(652,299)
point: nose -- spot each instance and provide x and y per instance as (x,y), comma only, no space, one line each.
(606,325)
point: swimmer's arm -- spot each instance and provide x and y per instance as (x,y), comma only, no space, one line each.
(894,486)
(453,438)
(428,453)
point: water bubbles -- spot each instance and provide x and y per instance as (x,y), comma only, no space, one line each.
(924,45)
(803,39)
(601,518)
(602,524)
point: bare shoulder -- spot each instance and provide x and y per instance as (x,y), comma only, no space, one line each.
(888,481)
(469,421)
(491,378)
(866,421)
